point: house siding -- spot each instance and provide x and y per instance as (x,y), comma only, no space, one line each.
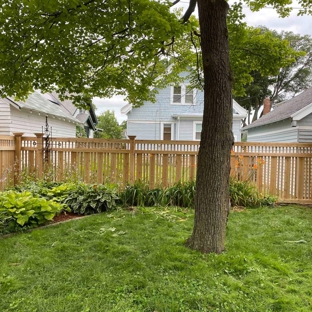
(281,132)
(162,110)
(146,121)
(144,131)
(30,123)
(305,135)
(186,130)
(237,130)
(5,117)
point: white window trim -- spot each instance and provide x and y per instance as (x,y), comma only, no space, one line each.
(183,91)
(162,129)
(194,129)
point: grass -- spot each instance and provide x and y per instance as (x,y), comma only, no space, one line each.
(136,261)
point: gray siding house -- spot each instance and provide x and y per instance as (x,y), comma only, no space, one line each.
(29,117)
(176,115)
(290,121)
(87,118)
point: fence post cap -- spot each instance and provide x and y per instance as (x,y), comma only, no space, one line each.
(38,135)
(131,137)
(18,134)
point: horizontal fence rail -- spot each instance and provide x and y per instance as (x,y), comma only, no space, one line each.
(281,169)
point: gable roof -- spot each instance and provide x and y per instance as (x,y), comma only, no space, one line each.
(37,102)
(296,108)
(69,107)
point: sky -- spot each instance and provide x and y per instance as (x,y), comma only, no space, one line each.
(266,17)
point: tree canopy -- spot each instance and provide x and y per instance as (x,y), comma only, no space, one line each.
(287,82)
(96,48)
(109,127)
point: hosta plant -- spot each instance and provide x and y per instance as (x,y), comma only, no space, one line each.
(60,193)
(26,209)
(87,199)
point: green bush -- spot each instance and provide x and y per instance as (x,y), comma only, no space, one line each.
(139,194)
(87,199)
(60,192)
(37,188)
(245,193)
(24,209)
(181,194)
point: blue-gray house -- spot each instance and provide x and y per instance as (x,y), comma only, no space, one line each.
(290,121)
(176,115)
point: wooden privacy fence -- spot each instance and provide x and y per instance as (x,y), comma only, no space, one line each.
(282,169)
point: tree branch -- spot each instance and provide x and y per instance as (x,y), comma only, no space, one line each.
(197,61)
(189,11)
(174,3)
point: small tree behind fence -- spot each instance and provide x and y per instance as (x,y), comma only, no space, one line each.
(282,169)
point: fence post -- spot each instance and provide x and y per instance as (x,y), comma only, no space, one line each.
(17,155)
(132,157)
(39,155)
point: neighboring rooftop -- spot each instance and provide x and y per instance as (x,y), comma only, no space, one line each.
(69,107)
(37,102)
(284,110)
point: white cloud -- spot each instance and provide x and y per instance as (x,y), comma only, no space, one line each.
(268,17)
(114,104)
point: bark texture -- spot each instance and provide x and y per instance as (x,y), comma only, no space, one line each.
(212,184)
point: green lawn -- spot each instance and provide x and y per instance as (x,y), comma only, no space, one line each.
(136,261)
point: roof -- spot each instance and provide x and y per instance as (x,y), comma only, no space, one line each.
(288,109)
(37,102)
(69,107)
(86,119)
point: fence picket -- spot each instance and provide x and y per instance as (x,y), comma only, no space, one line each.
(283,169)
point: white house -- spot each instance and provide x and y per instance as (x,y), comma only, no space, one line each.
(29,117)
(177,114)
(86,117)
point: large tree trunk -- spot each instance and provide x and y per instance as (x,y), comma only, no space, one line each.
(212,184)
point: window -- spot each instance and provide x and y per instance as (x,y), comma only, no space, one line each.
(182,94)
(167,132)
(189,98)
(177,94)
(197,130)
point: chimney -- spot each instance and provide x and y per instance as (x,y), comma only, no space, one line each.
(266,106)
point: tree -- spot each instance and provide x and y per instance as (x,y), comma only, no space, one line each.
(212,198)
(110,129)
(287,82)
(101,48)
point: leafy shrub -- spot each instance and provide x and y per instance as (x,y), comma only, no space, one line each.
(135,195)
(181,194)
(87,199)
(37,188)
(139,194)
(24,209)
(60,192)
(245,193)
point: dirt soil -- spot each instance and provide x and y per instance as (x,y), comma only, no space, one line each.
(65,217)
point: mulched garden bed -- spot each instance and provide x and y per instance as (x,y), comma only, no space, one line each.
(65,217)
